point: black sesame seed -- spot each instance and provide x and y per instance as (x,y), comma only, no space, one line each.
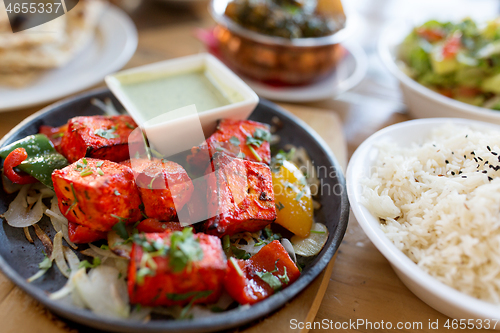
(472,153)
(494,153)
(467,136)
(460,172)
(475,159)
(465,156)
(485,162)
(464,176)
(453,173)
(488,147)
(453,153)
(490,179)
(479,157)
(484,171)
(447,162)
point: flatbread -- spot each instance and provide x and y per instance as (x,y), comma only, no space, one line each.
(79,26)
(50,32)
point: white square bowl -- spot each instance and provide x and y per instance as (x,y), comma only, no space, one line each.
(224,77)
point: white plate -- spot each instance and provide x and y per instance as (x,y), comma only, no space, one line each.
(441,297)
(349,72)
(110,50)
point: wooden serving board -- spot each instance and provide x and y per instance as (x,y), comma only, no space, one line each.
(19,313)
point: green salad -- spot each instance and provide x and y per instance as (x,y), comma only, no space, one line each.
(458,60)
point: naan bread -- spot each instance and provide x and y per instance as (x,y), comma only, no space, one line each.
(30,54)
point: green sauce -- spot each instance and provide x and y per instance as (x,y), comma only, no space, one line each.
(157,96)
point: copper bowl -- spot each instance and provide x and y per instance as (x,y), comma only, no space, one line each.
(276,59)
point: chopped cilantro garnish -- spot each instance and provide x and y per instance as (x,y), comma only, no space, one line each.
(142,273)
(279,206)
(235,141)
(239,253)
(99,164)
(268,277)
(106,133)
(100,172)
(129,125)
(86,173)
(259,137)
(284,278)
(46,262)
(120,228)
(184,249)
(272,280)
(317,232)
(85,264)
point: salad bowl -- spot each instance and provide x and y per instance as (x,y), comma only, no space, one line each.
(423,102)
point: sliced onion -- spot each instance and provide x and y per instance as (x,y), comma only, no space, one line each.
(37,275)
(18,215)
(72,259)
(116,245)
(59,222)
(224,301)
(47,243)
(58,255)
(289,248)
(66,290)
(8,186)
(312,244)
(102,252)
(142,313)
(249,238)
(27,234)
(102,291)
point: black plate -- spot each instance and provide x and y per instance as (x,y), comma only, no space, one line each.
(19,259)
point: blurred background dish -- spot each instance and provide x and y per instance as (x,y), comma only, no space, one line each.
(279,51)
(349,71)
(102,47)
(422,101)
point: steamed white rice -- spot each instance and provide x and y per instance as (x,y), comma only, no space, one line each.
(439,202)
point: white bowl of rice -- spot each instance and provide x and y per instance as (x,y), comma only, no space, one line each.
(427,194)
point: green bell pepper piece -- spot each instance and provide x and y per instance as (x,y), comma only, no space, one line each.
(42,159)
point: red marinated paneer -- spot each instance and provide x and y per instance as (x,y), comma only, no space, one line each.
(160,274)
(253,280)
(102,137)
(163,187)
(80,234)
(240,196)
(248,137)
(97,194)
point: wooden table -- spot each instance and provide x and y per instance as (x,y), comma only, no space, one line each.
(362,285)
